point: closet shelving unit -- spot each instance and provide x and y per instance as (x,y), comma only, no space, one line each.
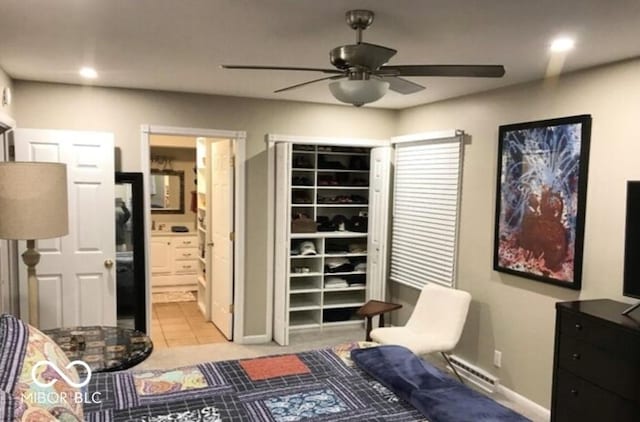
(202,194)
(324,183)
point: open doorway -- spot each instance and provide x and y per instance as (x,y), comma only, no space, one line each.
(195,200)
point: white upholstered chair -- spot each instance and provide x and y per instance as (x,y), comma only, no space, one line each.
(434,326)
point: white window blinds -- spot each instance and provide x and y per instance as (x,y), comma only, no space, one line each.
(425,212)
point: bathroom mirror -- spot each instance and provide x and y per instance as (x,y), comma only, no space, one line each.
(167,191)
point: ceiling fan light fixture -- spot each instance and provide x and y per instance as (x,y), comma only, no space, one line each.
(359,92)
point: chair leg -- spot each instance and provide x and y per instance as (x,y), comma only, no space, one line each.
(452,367)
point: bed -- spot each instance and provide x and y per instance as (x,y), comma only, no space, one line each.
(320,385)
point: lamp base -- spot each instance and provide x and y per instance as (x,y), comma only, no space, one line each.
(31,257)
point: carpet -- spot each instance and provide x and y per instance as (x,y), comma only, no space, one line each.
(170,297)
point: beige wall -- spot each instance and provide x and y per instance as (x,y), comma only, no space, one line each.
(509,313)
(5,80)
(122,111)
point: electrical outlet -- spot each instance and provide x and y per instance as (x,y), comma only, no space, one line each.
(497,358)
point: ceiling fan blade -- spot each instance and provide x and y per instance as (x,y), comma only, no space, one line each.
(308,83)
(402,86)
(304,69)
(462,70)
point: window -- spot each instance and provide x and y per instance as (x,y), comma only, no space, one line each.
(426,200)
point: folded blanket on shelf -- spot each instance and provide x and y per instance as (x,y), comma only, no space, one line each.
(335,282)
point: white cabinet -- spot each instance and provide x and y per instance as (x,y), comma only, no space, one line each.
(160,255)
(174,262)
(323,277)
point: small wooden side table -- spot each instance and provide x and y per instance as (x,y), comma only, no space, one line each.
(373,308)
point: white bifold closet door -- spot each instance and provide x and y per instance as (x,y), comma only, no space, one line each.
(378,222)
(282,225)
(76,273)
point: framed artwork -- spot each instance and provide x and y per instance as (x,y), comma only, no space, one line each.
(540,199)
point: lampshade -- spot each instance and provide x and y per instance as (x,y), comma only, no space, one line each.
(33,200)
(357,91)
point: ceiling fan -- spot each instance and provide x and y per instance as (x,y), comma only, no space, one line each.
(362,75)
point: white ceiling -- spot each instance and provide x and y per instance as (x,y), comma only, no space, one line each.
(178,45)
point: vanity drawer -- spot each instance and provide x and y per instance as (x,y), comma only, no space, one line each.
(180,254)
(186,267)
(580,401)
(184,242)
(608,370)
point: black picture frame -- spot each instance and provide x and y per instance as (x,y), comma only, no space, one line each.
(541,193)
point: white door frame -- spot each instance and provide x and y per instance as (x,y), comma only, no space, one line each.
(8,276)
(271,140)
(239,142)
(8,296)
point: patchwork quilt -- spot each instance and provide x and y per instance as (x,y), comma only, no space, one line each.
(323,385)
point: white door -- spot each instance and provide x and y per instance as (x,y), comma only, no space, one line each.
(75,279)
(221,225)
(378,222)
(282,246)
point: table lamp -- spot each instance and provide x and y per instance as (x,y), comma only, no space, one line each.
(33,205)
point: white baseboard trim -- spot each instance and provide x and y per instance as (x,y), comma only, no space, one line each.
(258,339)
(541,413)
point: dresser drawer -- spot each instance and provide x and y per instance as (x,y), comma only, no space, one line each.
(186,267)
(604,368)
(577,400)
(606,336)
(180,254)
(184,242)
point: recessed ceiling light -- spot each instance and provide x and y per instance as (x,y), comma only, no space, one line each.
(88,73)
(562,44)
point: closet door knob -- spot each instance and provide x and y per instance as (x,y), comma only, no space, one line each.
(108,263)
(578,326)
(575,356)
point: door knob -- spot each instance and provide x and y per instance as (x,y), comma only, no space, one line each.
(108,263)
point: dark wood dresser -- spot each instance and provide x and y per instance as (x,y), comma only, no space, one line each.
(596,367)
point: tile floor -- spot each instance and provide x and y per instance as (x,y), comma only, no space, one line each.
(181,324)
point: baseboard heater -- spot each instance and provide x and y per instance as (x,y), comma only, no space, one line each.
(475,375)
